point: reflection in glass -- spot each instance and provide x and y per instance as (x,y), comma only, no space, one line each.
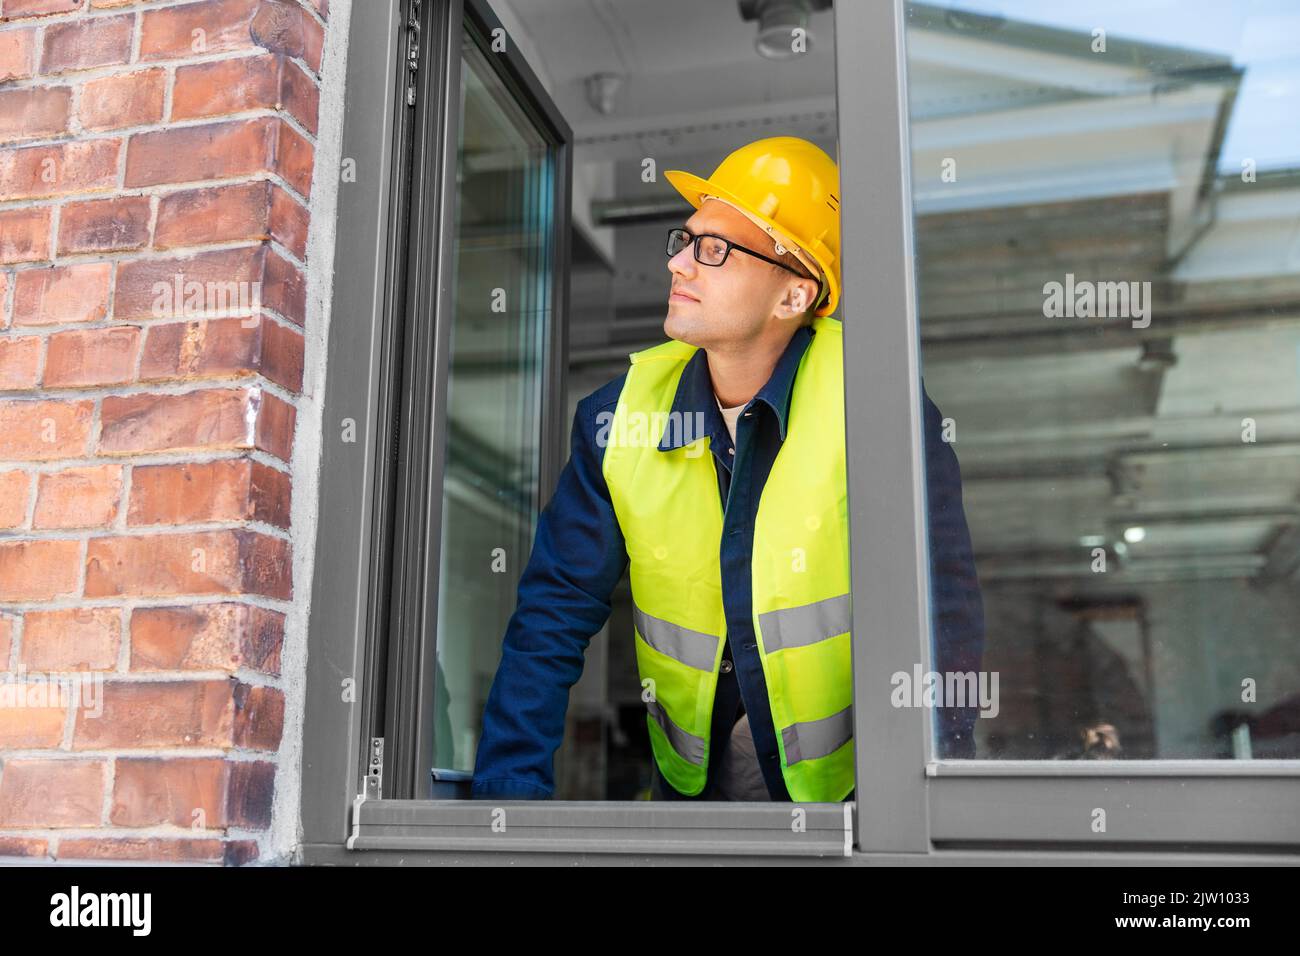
(1107,206)
(501,315)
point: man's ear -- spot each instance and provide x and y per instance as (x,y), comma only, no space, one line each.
(798,298)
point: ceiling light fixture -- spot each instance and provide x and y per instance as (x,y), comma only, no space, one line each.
(777,22)
(602,88)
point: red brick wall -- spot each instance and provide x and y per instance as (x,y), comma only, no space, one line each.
(149,147)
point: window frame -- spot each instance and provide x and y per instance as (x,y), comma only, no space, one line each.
(406,640)
(981,805)
(920,811)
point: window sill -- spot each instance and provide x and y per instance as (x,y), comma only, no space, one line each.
(815,830)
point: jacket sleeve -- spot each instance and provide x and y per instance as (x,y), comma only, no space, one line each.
(564,593)
(957,607)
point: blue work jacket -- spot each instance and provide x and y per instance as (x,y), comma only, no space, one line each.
(579,556)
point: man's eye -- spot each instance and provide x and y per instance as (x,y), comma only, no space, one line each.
(712,247)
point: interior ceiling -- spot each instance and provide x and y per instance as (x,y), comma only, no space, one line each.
(1063,432)
(672,53)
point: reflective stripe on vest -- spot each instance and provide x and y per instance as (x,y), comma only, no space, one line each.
(817,738)
(693,648)
(797,626)
(670,512)
(689,746)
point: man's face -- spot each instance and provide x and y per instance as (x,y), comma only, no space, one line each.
(717,306)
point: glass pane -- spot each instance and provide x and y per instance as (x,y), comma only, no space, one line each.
(1107,237)
(503,262)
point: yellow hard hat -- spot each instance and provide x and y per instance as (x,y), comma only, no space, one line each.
(790,188)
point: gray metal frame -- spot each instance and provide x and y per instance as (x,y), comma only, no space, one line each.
(349,519)
(917,803)
(420,448)
(886,495)
(410,704)
(913,810)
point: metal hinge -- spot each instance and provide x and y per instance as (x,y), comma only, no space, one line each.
(412,51)
(375,770)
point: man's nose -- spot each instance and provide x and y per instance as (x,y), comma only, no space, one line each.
(683,263)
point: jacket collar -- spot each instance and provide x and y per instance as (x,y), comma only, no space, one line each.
(695,396)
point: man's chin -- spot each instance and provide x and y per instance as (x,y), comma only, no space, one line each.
(684,329)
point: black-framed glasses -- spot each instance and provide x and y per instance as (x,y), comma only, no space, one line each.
(713,250)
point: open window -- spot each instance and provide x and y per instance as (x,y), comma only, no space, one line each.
(460,384)
(478,422)
(1130,485)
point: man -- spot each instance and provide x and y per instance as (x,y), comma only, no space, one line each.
(740,594)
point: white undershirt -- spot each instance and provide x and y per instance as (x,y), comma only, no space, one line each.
(729,415)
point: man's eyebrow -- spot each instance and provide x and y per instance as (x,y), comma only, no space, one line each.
(706,231)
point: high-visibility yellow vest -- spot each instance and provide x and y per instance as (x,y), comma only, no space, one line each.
(670,512)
